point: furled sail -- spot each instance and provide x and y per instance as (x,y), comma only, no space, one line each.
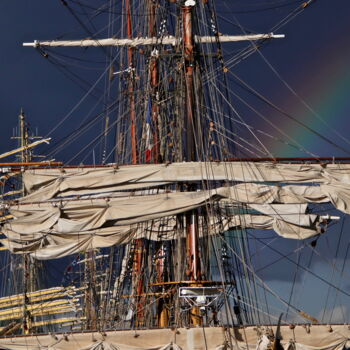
(210,338)
(45,184)
(63,226)
(76,209)
(167,40)
(53,244)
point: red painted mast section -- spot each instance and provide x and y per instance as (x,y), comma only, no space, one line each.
(194,271)
(189,59)
(137,273)
(154,73)
(131,86)
(138,278)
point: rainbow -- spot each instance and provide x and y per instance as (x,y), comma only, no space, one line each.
(327,86)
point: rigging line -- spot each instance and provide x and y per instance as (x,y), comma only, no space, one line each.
(238,115)
(104,9)
(99,138)
(82,24)
(230,22)
(79,59)
(328,262)
(255,307)
(340,280)
(273,125)
(83,98)
(84,12)
(65,63)
(84,124)
(67,72)
(103,29)
(74,136)
(219,262)
(262,282)
(297,250)
(290,3)
(333,268)
(232,62)
(226,131)
(293,91)
(274,307)
(82,128)
(210,68)
(309,271)
(253,128)
(269,103)
(239,144)
(262,132)
(259,259)
(294,281)
(293,14)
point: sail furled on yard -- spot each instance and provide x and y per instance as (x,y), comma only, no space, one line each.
(50,183)
(56,242)
(71,210)
(210,338)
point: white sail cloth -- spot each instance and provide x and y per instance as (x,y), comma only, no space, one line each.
(144,41)
(203,338)
(45,184)
(82,215)
(52,229)
(53,245)
(85,214)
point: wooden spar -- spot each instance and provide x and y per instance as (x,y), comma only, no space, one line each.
(16,165)
(292,159)
(38,293)
(62,309)
(189,59)
(69,321)
(154,72)
(301,160)
(24,148)
(138,279)
(135,160)
(5,218)
(162,311)
(192,233)
(27,272)
(40,307)
(146,41)
(90,292)
(194,272)
(36,299)
(131,87)
(155,108)
(11,193)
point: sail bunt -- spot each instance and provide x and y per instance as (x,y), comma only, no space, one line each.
(76,209)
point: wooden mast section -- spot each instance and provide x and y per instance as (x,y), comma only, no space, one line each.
(139,246)
(192,246)
(154,72)
(131,85)
(27,273)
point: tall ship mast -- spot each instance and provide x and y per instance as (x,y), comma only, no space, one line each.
(150,236)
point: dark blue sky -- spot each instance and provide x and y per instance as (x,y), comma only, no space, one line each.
(313,59)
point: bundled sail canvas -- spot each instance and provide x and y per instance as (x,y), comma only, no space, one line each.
(63,225)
